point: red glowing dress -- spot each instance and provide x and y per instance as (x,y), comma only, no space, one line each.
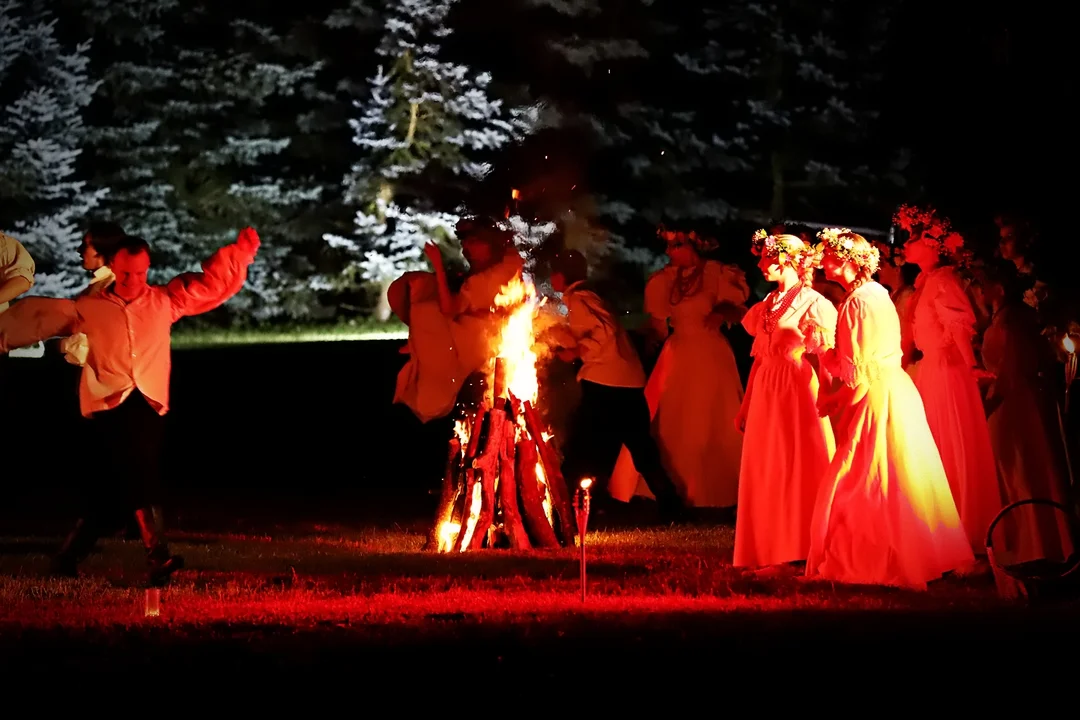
(884,514)
(787,446)
(942,318)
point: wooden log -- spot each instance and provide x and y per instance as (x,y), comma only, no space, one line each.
(560,494)
(513,527)
(466,500)
(467,476)
(498,381)
(487,467)
(475,432)
(532,504)
(444,513)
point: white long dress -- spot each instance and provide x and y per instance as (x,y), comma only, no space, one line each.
(787,447)
(694,393)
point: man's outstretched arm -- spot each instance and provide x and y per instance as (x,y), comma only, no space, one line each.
(33,319)
(222,277)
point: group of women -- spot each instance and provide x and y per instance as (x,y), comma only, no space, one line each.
(837,454)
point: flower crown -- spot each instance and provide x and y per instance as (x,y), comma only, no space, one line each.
(838,240)
(764,244)
(927,224)
(700,244)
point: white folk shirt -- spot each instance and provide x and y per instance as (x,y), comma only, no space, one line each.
(607,355)
(76,348)
(129,343)
(15,262)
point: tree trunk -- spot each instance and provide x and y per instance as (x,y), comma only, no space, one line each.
(383,313)
(776,206)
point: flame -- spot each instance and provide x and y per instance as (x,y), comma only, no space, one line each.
(586,483)
(448,533)
(1068,344)
(515,346)
(515,194)
(516,340)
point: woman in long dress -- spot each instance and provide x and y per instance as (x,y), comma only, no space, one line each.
(1023,423)
(451,334)
(781,470)
(885,514)
(694,390)
(943,325)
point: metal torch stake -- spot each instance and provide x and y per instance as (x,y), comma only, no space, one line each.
(582,500)
(1070,375)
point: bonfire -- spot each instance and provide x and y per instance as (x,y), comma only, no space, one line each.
(503,486)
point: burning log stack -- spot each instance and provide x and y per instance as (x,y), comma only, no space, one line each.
(502,487)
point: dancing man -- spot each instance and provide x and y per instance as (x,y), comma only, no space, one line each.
(125,383)
(612,391)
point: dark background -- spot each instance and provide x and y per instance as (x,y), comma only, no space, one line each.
(289,429)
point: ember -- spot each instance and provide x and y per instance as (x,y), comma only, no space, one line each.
(503,486)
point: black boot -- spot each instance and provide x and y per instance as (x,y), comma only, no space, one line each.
(78,544)
(160,565)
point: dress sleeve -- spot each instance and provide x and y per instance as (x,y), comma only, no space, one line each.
(478,292)
(751,321)
(818,326)
(847,360)
(952,306)
(658,295)
(729,283)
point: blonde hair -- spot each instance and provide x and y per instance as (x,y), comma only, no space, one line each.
(789,250)
(854,248)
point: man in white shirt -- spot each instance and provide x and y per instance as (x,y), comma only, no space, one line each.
(124,386)
(613,410)
(16,277)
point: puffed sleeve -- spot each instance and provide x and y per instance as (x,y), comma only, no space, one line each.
(728,282)
(952,306)
(818,326)
(478,292)
(751,321)
(658,294)
(846,359)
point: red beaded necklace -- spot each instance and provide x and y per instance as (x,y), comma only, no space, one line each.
(773,315)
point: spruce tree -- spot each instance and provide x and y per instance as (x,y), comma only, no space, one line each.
(45,88)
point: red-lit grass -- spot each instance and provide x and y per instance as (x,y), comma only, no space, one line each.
(334,575)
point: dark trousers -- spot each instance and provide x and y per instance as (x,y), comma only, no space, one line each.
(126,478)
(130,438)
(606,419)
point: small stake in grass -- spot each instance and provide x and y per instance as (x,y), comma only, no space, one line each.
(153,602)
(582,501)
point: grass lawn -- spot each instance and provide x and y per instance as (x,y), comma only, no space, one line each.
(356,593)
(185,338)
(368,576)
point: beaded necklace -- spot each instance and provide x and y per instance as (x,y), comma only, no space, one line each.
(688,285)
(773,315)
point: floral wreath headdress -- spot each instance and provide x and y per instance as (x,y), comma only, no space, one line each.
(765,245)
(700,243)
(839,241)
(927,224)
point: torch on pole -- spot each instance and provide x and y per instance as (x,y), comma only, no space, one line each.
(582,500)
(1070,367)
